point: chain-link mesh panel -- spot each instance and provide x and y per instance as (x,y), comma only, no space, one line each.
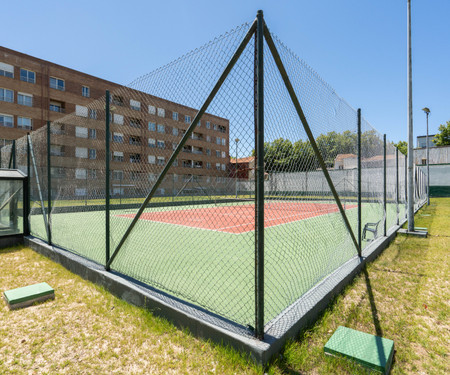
(195,240)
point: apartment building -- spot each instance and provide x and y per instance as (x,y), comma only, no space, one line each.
(144,129)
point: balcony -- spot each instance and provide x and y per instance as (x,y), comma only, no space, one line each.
(55,108)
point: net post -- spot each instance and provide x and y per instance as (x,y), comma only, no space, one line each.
(27,198)
(397,186)
(107,177)
(359,184)
(49,187)
(259,176)
(384,186)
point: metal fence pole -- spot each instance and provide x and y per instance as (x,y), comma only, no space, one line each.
(259,183)
(359,182)
(406,188)
(107,178)
(49,186)
(14,155)
(397,186)
(384,186)
(27,198)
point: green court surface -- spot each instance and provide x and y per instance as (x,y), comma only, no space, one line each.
(214,269)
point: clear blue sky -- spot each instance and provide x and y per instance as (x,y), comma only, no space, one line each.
(357,46)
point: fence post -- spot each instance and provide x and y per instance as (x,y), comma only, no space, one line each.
(259,183)
(49,186)
(107,177)
(27,198)
(406,188)
(14,154)
(384,186)
(397,186)
(359,184)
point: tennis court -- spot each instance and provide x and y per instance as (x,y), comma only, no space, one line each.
(240,218)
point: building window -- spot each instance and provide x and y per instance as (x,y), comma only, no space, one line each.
(161,160)
(161,112)
(208,138)
(152,109)
(224,155)
(208,165)
(80,192)
(85,91)
(175,163)
(151,126)
(57,83)
(81,152)
(222,129)
(92,174)
(218,166)
(6,121)
(24,123)
(118,119)
(56,150)
(135,140)
(135,158)
(6,70)
(161,128)
(175,131)
(224,142)
(208,152)
(134,104)
(58,107)
(175,116)
(215,126)
(224,167)
(27,76)
(151,143)
(160,144)
(117,175)
(6,95)
(208,125)
(80,173)
(187,119)
(93,114)
(81,132)
(92,133)
(151,159)
(217,154)
(118,137)
(92,153)
(135,123)
(424,161)
(199,123)
(174,146)
(117,156)
(81,110)
(218,140)
(151,177)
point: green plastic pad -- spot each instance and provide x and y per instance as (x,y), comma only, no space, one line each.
(27,295)
(371,351)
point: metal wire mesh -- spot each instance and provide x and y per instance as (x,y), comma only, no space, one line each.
(195,240)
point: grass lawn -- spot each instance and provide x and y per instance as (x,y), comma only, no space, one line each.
(403,296)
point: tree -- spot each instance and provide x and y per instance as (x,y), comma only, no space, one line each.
(402,147)
(443,138)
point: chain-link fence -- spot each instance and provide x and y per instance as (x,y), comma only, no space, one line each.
(178,182)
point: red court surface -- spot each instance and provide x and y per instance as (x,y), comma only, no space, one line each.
(240,218)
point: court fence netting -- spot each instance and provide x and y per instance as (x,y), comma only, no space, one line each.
(233,179)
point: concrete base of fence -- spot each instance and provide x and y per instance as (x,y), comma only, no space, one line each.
(418,232)
(11,240)
(204,324)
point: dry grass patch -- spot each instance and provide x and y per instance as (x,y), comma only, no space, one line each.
(86,330)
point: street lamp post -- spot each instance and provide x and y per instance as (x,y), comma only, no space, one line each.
(236,166)
(427,112)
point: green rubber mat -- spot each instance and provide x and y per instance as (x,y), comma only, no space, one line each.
(371,351)
(28,295)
